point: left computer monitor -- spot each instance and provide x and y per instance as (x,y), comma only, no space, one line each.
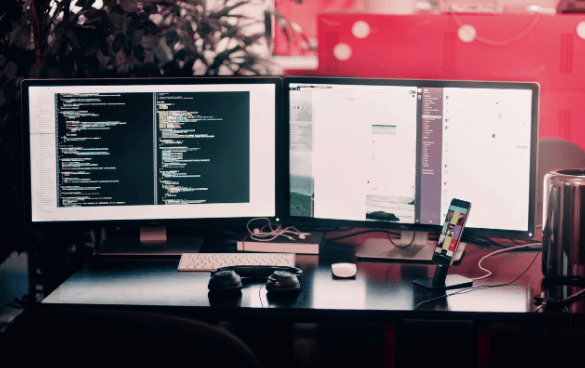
(150,152)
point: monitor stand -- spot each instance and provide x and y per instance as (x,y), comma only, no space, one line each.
(421,249)
(153,240)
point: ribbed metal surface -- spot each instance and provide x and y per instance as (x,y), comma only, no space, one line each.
(563,238)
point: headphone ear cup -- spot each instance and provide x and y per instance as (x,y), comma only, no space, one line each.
(225,281)
(281,281)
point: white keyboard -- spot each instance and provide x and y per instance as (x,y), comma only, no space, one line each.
(195,262)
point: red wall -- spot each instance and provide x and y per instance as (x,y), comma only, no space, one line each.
(507,47)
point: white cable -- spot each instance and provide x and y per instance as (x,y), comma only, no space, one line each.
(262,235)
(505,42)
(489,273)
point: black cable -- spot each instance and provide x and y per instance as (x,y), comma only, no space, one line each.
(359,233)
(402,246)
(260,296)
(327,229)
(473,288)
(572,298)
(481,241)
(487,242)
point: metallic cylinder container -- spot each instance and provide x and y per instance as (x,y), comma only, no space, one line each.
(563,234)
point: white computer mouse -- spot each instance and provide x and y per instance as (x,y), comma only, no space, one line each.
(344,270)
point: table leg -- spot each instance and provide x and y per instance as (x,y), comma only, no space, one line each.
(390,346)
(483,346)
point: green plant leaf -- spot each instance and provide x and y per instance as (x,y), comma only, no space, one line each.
(13,9)
(225,11)
(93,62)
(26,4)
(89,4)
(283,24)
(138,52)
(9,90)
(93,16)
(81,3)
(15,33)
(10,70)
(118,43)
(136,37)
(130,6)
(268,26)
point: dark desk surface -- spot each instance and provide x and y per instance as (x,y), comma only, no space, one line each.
(381,291)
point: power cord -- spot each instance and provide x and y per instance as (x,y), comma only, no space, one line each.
(473,288)
(489,273)
(402,246)
(261,234)
(360,233)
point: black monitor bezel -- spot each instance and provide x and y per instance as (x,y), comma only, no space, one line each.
(26,83)
(320,222)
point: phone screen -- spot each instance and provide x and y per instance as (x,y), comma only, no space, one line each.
(452,229)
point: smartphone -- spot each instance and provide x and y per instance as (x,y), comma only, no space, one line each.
(451,232)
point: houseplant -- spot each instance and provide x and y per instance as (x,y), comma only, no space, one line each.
(122,38)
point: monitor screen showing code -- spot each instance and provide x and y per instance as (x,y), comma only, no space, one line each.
(140,149)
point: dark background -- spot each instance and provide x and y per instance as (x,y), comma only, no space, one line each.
(130,148)
(227,174)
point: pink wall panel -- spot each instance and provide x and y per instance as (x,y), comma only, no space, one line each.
(506,47)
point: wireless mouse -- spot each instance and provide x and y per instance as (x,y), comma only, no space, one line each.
(344,270)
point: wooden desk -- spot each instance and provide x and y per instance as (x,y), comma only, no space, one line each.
(382,293)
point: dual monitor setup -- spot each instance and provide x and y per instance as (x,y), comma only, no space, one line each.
(315,151)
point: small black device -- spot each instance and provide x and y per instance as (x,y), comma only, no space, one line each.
(278,278)
(451,232)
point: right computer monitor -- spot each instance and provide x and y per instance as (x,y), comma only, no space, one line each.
(394,153)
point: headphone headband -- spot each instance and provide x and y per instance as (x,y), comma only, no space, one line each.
(260,271)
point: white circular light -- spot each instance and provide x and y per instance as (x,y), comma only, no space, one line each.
(581,30)
(360,29)
(342,51)
(466,33)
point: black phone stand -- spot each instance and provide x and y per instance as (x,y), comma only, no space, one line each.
(442,281)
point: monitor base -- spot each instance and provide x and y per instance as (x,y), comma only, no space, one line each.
(151,242)
(421,250)
(451,282)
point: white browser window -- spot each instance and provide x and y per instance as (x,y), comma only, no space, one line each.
(401,153)
(486,154)
(358,137)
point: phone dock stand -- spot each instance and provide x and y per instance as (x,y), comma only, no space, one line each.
(442,281)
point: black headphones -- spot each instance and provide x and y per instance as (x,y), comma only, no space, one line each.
(278,278)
